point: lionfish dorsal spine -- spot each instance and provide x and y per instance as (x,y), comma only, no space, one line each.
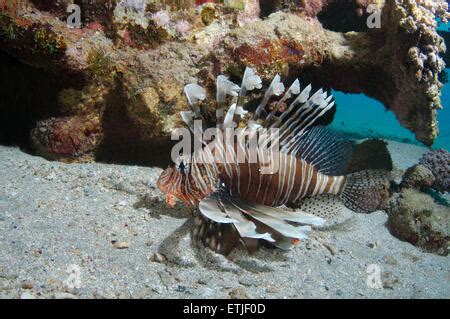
(294,120)
(194,93)
(276,87)
(294,89)
(224,88)
(250,81)
(300,99)
(305,116)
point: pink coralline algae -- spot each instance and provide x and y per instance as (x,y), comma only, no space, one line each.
(183,27)
(161,18)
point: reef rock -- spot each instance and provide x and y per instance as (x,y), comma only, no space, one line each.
(438,162)
(416,218)
(419,177)
(414,213)
(125,65)
(66,139)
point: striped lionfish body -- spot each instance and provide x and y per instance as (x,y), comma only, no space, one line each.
(242,176)
(294,179)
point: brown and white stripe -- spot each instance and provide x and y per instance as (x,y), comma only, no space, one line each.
(217,165)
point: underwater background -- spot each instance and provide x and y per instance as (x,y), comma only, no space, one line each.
(361,116)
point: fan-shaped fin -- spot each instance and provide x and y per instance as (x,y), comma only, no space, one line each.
(366,191)
(327,150)
(329,207)
(292,216)
(254,221)
(210,208)
(298,118)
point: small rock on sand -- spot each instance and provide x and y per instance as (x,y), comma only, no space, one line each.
(121,244)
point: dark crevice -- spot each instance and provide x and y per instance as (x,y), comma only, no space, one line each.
(344,16)
(28,95)
(122,143)
(267,7)
(59,9)
(155,153)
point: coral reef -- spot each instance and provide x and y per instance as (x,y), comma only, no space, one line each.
(432,171)
(66,139)
(414,215)
(416,218)
(418,177)
(438,162)
(147,50)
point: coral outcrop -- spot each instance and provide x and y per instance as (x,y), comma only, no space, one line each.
(418,177)
(438,162)
(414,215)
(432,171)
(66,139)
(134,57)
(416,218)
(446,36)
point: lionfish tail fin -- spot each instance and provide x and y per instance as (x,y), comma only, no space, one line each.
(366,191)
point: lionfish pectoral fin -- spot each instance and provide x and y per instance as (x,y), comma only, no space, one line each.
(300,217)
(223,226)
(251,222)
(210,208)
(274,223)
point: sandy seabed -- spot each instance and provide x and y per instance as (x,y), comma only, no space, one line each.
(92,230)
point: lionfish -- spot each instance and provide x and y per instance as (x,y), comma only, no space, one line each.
(239,199)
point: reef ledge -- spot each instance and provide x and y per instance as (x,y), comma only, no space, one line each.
(124,69)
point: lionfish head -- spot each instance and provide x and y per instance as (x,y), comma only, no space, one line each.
(172,181)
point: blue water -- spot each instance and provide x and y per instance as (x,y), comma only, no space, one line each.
(363,116)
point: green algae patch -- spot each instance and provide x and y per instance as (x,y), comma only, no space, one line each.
(99,65)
